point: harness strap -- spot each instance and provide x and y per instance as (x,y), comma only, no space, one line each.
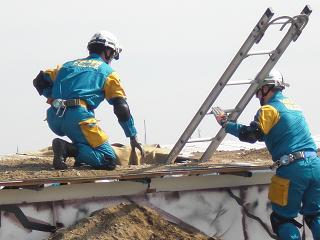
(309,219)
(277,220)
(75,102)
(67,103)
(287,159)
(70,102)
(61,105)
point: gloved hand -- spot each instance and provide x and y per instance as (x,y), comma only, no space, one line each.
(135,144)
(220,115)
(40,82)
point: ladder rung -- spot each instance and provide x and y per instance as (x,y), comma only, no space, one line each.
(264,52)
(225,110)
(200,140)
(240,82)
(229,110)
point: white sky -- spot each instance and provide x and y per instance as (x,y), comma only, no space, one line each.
(174,52)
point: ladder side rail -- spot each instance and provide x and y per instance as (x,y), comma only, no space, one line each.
(254,37)
(290,36)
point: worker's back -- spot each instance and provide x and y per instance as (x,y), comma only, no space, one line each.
(82,79)
(291,133)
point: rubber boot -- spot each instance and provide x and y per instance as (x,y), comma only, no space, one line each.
(108,164)
(61,150)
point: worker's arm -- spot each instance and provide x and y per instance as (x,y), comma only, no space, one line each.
(265,119)
(115,95)
(122,111)
(250,134)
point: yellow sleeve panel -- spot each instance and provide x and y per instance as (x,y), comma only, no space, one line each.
(113,87)
(52,73)
(268,117)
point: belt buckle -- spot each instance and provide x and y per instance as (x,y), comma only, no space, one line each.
(283,161)
(286,159)
(60,105)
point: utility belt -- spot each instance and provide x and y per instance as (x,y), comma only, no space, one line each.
(290,158)
(61,105)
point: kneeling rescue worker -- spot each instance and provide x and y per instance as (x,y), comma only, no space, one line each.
(296,185)
(73,91)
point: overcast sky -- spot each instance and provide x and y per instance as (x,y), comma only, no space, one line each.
(174,53)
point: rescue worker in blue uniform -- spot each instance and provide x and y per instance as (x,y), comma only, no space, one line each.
(296,185)
(74,91)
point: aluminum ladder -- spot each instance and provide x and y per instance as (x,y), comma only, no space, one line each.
(297,24)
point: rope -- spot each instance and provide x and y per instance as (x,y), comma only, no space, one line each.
(250,215)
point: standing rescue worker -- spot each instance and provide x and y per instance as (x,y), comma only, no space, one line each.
(74,91)
(296,185)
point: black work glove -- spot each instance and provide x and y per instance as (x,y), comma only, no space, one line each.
(40,83)
(135,144)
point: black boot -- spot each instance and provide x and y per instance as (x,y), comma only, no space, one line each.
(109,164)
(61,150)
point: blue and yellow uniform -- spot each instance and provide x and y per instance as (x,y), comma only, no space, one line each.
(91,80)
(295,187)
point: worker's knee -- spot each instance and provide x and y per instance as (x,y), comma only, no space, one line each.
(277,221)
(313,222)
(95,157)
(310,219)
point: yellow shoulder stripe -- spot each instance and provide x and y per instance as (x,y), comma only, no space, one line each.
(268,117)
(113,87)
(52,73)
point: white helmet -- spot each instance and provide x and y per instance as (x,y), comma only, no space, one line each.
(275,79)
(108,40)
